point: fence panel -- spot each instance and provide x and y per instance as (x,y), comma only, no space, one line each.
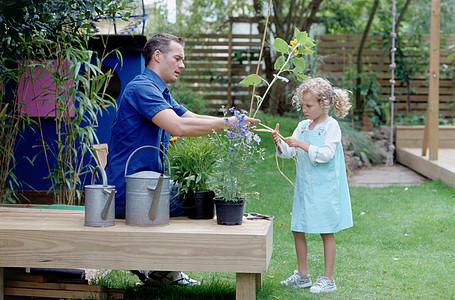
(215,64)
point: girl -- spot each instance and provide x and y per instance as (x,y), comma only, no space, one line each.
(321,197)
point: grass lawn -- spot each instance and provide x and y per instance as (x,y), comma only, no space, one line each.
(401,245)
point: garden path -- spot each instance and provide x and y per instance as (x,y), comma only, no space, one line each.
(383,175)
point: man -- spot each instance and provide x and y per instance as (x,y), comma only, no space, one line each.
(148,115)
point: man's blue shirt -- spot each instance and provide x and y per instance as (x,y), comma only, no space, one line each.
(146,95)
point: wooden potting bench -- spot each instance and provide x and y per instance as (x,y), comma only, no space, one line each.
(51,238)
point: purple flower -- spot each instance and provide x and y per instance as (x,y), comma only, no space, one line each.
(257,138)
(241,120)
(226,120)
(230,134)
(231,110)
(232,150)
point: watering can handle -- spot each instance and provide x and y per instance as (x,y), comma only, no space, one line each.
(148,146)
(103,175)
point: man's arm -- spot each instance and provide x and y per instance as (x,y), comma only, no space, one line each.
(191,124)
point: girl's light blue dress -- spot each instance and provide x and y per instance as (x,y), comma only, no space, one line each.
(321,198)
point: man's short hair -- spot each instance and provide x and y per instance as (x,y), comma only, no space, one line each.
(160,41)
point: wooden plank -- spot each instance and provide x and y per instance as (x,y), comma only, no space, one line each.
(412,136)
(25,276)
(345,37)
(224,43)
(53,286)
(44,238)
(51,293)
(443,168)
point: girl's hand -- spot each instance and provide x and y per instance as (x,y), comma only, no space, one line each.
(276,137)
(293,142)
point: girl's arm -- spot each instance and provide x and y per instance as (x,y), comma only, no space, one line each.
(332,138)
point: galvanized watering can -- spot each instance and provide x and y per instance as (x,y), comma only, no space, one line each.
(99,204)
(147,196)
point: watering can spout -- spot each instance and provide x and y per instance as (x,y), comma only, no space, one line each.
(108,203)
(156,198)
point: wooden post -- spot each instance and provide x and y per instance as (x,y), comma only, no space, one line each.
(2,284)
(245,286)
(433,95)
(425,131)
(230,101)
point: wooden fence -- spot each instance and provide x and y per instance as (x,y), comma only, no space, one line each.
(215,64)
(339,54)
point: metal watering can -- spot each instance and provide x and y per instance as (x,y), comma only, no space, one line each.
(147,196)
(99,207)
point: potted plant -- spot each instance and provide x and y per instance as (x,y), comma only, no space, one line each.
(192,163)
(239,156)
(239,146)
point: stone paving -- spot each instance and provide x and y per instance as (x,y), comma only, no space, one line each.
(383,175)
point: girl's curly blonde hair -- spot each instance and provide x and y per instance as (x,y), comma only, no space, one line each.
(326,95)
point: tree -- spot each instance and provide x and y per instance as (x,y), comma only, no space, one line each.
(195,17)
(359,101)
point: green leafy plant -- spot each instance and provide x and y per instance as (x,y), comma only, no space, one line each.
(289,61)
(239,157)
(33,32)
(77,91)
(192,163)
(192,100)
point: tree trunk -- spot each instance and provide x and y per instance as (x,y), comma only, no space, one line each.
(359,101)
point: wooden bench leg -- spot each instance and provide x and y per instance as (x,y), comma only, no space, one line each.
(2,284)
(246,286)
(259,281)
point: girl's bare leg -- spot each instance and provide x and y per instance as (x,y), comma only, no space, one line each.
(329,254)
(302,251)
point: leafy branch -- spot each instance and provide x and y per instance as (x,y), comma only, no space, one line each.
(300,45)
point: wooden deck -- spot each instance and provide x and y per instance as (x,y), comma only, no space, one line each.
(443,168)
(409,142)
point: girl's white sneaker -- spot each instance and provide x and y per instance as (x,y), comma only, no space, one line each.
(323,285)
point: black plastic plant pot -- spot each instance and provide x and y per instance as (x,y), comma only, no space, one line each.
(203,205)
(229,212)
